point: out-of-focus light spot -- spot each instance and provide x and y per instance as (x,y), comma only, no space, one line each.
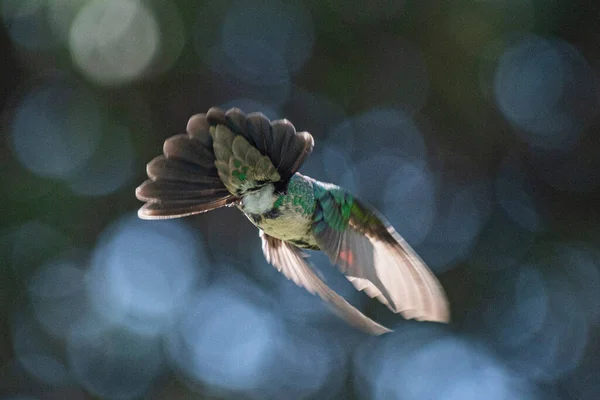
(373,353)
(399,76)
(27,25)
(389,129)
(60,16)
(447,368)
(528,83)
(35,353)
(228,276)
(453,370)
(502,243)
(558,347)
(299,305)
(519,309)
(111,362)
(109,168)
(367,12)
(315,113)
(273,94)
(229,340)
(547,90)
(114,41)
(142,273)
(337,167)
(409,201)
(537,320)
(172,36)
(260,270)
(342,136)
(513,195)
(372,174)
(331,163)
(57,292)
(258,48)
(223,339)
(266,77)
(283,29)
(457,224)
(56,129)
(307,364)
(581,264)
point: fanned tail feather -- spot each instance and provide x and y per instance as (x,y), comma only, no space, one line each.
(186,181)
(278,140)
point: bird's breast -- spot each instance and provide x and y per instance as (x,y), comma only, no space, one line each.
(287,225)
(290,218)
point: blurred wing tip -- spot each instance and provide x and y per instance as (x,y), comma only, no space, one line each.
(443,316)
(437,311)
(440,315)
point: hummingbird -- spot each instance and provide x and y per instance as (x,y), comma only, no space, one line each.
(247,161)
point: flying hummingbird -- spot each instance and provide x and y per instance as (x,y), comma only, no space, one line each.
(230,158)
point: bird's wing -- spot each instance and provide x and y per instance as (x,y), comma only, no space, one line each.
(289,260)
(375,258)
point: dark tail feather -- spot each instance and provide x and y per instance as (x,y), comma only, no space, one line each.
(177,209)
(185,180)
(167,190)
(278,139)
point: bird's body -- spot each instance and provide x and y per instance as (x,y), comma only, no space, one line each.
(248,161)
(289,216)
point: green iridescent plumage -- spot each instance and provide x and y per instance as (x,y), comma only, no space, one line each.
(334,207)
(230,158)
(240,164)
(299,196)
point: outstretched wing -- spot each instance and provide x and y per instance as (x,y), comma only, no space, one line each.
(289,260)
(375,258)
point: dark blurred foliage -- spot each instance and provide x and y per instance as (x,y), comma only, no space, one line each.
(472,125)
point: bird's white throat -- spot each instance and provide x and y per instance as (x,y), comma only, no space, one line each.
(259,201)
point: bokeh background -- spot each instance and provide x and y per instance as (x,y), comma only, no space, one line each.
(472,125)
